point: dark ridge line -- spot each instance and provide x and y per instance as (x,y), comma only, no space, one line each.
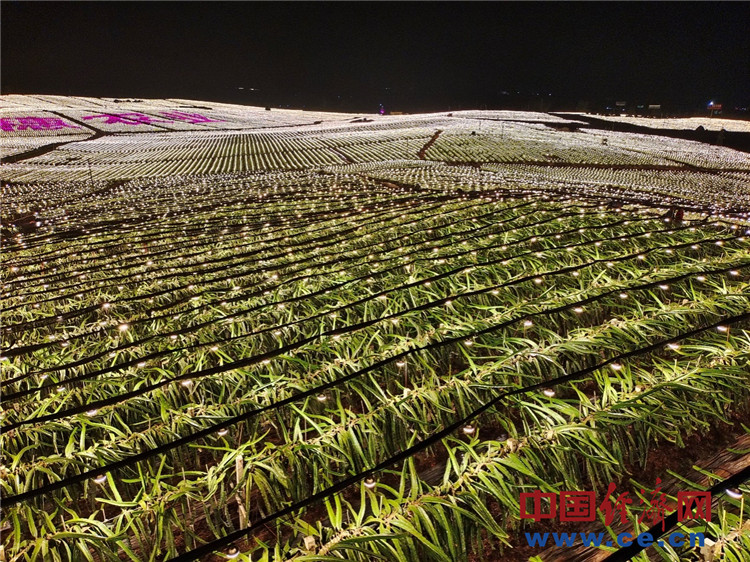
(340,154)
(42,150)
(423,151)
(732,139)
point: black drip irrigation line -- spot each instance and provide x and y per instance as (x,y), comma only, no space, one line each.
(657,530)
(220,543)
(295,345)
(12,500)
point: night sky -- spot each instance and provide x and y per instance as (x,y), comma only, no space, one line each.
(409,56)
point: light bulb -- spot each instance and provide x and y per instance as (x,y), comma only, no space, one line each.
(734,493)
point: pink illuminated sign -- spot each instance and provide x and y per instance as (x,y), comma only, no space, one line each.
(125,118)
(34,123)
(135,118)
(131,118)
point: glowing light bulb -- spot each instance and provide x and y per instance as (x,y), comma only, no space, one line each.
(734,493)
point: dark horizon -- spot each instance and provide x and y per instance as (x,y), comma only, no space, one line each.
(407,56)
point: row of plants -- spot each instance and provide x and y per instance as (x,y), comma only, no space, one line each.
(289,336)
